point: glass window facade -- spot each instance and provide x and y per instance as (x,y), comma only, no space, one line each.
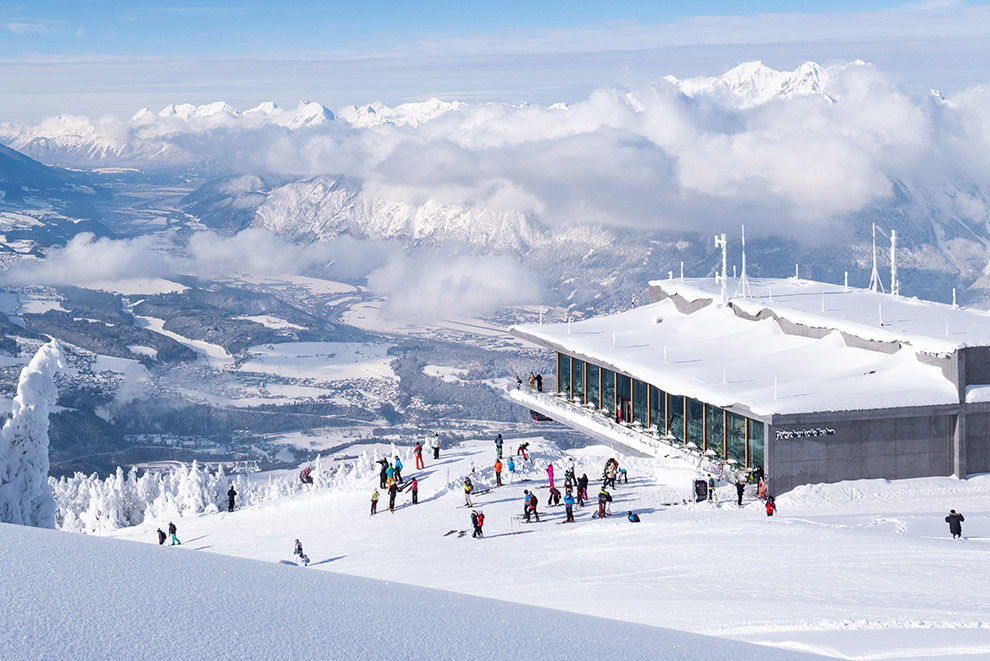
(694,423)
(736,438)
(564,374)
(591,387)
(658,409)
(729,435)
(755,443)
(608,391)
(675,416)
(715,430)
(577,379)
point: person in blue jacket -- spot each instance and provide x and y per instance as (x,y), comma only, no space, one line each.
(398,469)
(633,517)
(569,506)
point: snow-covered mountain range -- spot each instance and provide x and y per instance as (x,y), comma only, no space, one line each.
(803,158)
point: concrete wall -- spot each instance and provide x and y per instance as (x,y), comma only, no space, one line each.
(892,448)
(977,443)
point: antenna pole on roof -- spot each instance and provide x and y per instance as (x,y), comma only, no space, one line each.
(720,243)
(796,276)
(954,306)
(845,284)
(895,286)
(875,282)
(743,286)
(682,271)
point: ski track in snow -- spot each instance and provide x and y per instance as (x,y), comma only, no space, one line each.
(846,570)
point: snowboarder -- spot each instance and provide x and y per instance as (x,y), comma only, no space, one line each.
(604,498)
(419,455)
(740,488)
(633,517)
(304,475)
(522,450)
(230,498)
(393,490)
(518,383)
(298,552)
(550,474)
(477,520)
(955,524)
(161,536)
(414,488)
(498,473)
(435,444)
(498,446)
(398,469)
(383,476)
(172,531)
(374,502)
(468,488)
(554,498)
(539,383)
(569,506)
(771,506)
(532,381)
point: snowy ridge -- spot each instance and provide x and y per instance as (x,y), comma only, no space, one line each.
(405,114)
(753,84)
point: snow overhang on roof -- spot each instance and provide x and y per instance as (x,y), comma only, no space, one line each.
(714,355)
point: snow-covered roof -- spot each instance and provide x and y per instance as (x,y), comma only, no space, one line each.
(925,325)
(718,357)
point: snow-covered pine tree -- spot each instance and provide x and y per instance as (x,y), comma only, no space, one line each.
(25,496)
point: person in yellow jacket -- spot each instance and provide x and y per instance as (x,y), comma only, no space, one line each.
(374,502)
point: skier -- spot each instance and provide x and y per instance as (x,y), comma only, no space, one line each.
(298,552)
(414,488)
(955,524)
(569,506)
(436,445)
(393,491)
(604,498)
(398,469)
(532,503)
(230,498)
(511,465)
(522,450)
(532,381)
(383,476)
(740,488)
(477,520)
(554,499)
(539,383)
(550,474)
(633,517)
(582,494)
(771,506)
(526,504)
(468,488)
(498,473)
(390,475)
(161,536)
(419,455)
(498,446)
(171,531)
(374,502)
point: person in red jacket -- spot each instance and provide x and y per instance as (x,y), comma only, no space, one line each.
(419,455)
(771,506)
(477,520)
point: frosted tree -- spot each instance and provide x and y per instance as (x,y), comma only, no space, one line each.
(25,495)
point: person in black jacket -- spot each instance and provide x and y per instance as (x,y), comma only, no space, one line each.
(161,536)
(740,488)
(383,476)
(230,498)
(172,530)
(955,524)
(392,491)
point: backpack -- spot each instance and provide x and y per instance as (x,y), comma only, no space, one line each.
(533,500)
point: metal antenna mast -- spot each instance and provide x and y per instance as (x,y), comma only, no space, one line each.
(743,285)
(721,243)
(875,282)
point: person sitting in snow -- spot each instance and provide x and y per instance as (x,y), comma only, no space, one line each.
(771,506)
(633,517)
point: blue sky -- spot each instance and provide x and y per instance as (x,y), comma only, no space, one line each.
(98,56)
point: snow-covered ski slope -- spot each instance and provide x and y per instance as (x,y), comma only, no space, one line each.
(862,570)
(67,596)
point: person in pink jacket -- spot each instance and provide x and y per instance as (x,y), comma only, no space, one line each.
(550,474)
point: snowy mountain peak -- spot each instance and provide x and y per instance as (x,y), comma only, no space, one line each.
(753,84)
(406,114)
(306,114)
(188,111)
(266,108)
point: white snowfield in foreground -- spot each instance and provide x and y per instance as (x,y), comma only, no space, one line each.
(859,570)
(67,596)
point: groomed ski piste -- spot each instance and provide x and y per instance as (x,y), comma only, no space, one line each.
(857,570)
